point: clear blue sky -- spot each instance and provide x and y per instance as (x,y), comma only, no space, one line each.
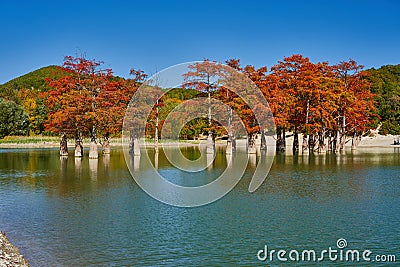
(152,35)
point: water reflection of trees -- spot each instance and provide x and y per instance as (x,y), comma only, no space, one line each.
(311,175)
(44,169)
(321,176)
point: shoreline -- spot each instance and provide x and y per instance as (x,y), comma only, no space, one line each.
(10,255)
(367,141)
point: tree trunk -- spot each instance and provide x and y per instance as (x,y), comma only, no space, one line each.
(134,147)
(280,140)
(311,142)
(295,140)
(209,107)
(156,136)
(106,144)
(210,143)
(251,144)
(355,141)
(305,145)
(130,141)
(342,141)
(330,141)
(93,149)
(78,145)
(336,142)
(63,145)
(263,146)
(321,142)
(343,134)
(156,129)
(231,144)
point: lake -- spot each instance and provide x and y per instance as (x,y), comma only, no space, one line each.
(81,212)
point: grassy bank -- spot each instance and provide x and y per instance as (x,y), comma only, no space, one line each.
(43,141)
(28,140)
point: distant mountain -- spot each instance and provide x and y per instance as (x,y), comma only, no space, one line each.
(32,80)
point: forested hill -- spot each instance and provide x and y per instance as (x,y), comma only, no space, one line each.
(33,80)
(385,82)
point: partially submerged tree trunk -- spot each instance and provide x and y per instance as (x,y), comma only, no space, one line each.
(231,144)
(93,148)
(304,146)
(321,142)
(311,142)
(134,147)
(156,136)
(342,141)
(263,146)
(106,144)
(336,141)
(355,140)
(295,140)
(131,141)
(330,141)
(321,135)
(210,143)
(280,140)
(78,145)
(63,145)
(251,144)
(343,134)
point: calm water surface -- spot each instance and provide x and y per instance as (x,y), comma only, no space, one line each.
(73,212)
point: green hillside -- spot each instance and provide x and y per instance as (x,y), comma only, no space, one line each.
(33,80)
(385,82)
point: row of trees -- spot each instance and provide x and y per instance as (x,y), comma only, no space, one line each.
(318,100)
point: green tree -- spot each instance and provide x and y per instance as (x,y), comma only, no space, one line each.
(13,119)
